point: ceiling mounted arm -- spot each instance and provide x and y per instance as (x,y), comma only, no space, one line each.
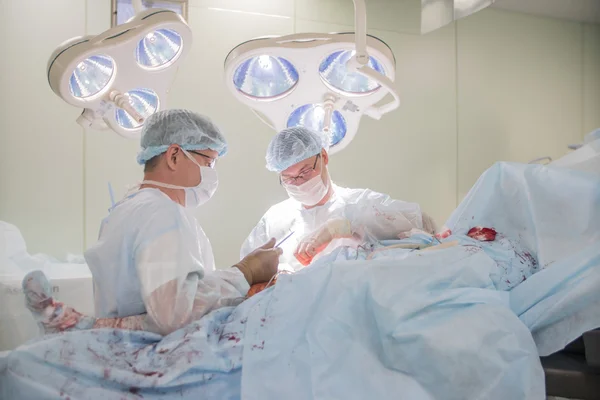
(360,27)
(360,63)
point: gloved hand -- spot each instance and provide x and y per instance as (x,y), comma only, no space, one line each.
(260,265)
(445,232)
(311,245)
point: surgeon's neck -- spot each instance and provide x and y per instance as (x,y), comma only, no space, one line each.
(325,199)
(177,195)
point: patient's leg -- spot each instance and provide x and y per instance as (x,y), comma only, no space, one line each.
(54,316)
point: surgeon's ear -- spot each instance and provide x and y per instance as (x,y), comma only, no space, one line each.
(171,156)
(325,157)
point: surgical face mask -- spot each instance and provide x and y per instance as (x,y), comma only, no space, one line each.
(198,195)
(310,192)
(195,196)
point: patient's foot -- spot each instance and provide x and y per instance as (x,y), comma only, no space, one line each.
(53,316)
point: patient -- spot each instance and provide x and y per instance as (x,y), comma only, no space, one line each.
(54,316)
(514,265)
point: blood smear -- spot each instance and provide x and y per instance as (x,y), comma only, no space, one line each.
(482,234)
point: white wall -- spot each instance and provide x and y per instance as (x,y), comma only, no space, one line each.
(41,157)
(591,77)
(520,93)
(494,86)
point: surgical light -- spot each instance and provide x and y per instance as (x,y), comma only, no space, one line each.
(313,116)
(123,75)
(144,102)
(91,76)
(265,77)
(158,48)
(333,71)
(325,82)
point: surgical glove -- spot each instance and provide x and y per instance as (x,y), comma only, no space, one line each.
(445,233)
(260,265)
(310,246)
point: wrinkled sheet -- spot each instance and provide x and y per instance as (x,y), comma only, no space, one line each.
(403,325)
(430,326)
(586,158)
(201,361)
(554,215)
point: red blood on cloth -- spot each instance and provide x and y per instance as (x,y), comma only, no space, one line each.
(482,234)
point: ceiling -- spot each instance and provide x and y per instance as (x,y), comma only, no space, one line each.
(576,10)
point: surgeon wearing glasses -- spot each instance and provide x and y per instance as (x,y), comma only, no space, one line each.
(322,215)
(153,265)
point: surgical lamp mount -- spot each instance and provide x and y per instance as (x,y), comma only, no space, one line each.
(323,81)
(123,75)
(359,62)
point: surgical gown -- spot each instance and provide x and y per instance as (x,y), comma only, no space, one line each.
(368,212)
(153,258)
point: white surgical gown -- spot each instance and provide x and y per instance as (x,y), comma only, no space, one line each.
(368,212)
(153,258)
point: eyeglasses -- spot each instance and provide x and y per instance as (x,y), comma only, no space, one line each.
(213,161)
(302,177)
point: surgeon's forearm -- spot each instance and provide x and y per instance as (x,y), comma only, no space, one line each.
(384,218)
(385,226)
(133,323)
(340,228)
(169,307)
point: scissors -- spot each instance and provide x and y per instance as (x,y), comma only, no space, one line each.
(284,239)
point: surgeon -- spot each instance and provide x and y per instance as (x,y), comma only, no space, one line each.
(320,215)
(153,263)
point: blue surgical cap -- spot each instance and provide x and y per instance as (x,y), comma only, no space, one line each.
(188,129)
(292,145)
